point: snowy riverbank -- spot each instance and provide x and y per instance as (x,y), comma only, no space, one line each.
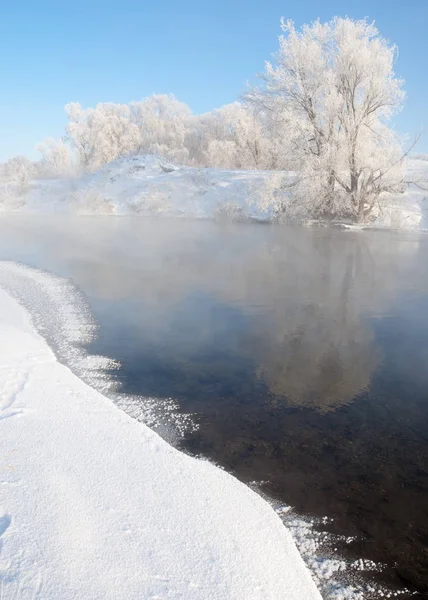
(95,505)
(149,186)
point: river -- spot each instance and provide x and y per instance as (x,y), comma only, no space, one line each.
(301,354)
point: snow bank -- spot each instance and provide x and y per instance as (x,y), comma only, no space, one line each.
(142,185)
(150,186)
(96,506)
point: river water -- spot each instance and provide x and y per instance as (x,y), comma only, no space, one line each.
(302,355)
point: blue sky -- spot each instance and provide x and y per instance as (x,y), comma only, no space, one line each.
(53,52)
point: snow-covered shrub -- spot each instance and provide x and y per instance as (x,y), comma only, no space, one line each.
(90,201)
(12,196)
(420,157)
(151,202)
(230,211)
(273,197)
(17,171)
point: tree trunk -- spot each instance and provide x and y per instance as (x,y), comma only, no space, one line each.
(357,198)
(361,213)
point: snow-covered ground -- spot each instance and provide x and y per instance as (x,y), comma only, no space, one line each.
(95,505)
(147,185)
(141,185)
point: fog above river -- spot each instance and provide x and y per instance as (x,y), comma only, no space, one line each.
(295,303)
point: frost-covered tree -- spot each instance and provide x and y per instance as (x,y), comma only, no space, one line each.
(114,133)
(78,131)
(155,125)
(233,136)
(18,170)
(101,134)
(162,122)
(240,141)
(58,158)
(330,92)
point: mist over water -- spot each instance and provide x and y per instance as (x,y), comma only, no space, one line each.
(302,354)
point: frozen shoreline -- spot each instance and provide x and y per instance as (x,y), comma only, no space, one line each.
(95,505)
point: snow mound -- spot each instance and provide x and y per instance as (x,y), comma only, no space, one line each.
(142,185)
(95,505)
(147,185)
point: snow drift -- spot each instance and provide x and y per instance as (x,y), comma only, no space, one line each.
(95,505)
(150,186)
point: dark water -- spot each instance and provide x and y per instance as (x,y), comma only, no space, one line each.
(302,352)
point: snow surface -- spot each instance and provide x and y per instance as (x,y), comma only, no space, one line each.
(148,185)
(141,185)
(95,505)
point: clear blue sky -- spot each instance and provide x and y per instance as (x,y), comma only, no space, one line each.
(90,51)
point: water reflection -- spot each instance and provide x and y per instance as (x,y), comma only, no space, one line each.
(290,308)
(322,363)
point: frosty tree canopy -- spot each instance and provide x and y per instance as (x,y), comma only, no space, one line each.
(331,91)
